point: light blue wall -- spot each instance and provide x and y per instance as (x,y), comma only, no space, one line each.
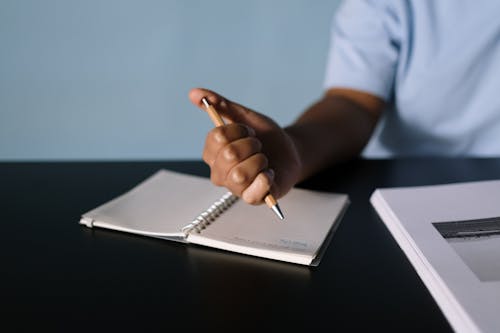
(108,79)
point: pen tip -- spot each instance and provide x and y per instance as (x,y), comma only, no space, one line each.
(278,212)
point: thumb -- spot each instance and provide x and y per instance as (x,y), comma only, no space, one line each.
(229,110)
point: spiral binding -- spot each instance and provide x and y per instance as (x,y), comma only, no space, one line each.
(210,214)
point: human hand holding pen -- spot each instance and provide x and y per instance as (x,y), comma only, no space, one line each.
(218,121)
(250,155)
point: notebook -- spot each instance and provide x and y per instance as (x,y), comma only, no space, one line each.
(451,235)
(190,209)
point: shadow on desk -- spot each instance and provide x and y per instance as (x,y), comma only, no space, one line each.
(200,258)
(197,257)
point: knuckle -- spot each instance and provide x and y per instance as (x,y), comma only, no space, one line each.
(230,153)
(238,176)
(219,136)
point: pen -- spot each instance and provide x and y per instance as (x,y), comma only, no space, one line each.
(218,121)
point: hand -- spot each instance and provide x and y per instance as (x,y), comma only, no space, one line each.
(251,155)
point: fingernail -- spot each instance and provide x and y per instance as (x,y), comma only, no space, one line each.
(251,131)
(270,174)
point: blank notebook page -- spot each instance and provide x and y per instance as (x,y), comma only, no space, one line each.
(308,218)
(162,204)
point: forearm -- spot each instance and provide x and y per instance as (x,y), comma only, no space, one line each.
(334,129)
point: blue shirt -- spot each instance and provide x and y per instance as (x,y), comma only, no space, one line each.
(436,63)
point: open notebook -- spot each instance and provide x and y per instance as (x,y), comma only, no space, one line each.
(191,209)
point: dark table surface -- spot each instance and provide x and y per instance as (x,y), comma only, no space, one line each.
(58,275)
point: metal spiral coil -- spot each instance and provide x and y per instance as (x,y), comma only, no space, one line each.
(210,214)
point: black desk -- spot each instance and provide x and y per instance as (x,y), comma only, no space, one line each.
(59,275)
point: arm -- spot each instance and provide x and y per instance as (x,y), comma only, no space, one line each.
(334,129)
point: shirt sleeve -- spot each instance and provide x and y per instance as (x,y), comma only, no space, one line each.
(364,48)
